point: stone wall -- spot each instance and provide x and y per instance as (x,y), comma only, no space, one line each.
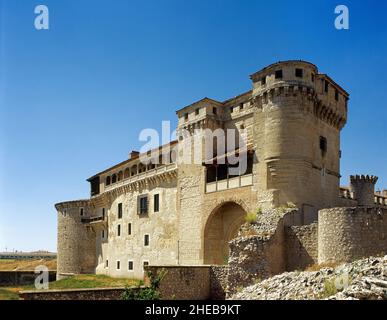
(219,282)
(16,278)
(78,294)
(346,234)
(254,258)
(301,246)
(183,282)
(191,282)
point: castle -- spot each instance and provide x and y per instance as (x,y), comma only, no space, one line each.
(168,212)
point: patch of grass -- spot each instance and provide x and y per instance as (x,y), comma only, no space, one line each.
(9,293)
(92,281)
(251,217)
(329,289)
(291,205)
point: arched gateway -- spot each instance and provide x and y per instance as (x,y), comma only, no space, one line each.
(221,227)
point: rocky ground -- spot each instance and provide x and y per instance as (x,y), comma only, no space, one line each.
(364,279)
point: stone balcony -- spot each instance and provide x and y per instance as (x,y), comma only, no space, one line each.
(96,222)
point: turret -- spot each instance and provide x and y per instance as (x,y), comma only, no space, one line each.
(363,188)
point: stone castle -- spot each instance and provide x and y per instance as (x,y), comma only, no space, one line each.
(168,212)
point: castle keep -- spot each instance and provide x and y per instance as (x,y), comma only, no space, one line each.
(171,212)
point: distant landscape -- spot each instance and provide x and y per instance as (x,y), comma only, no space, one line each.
(24,265)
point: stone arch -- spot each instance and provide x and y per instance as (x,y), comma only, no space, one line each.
(221,227)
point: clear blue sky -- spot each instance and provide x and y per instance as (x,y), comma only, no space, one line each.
(73,99)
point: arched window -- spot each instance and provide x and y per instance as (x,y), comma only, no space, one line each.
(120,175)
(108,180)
(141,168)
(126,173)
(114,178)
(133,170)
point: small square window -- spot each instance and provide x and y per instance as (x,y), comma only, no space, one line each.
(118,265)
(263,81)
(146,240)
(278,74)
(145,264)
(299,73)
(130,265)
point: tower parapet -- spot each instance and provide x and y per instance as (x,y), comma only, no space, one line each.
(363,188)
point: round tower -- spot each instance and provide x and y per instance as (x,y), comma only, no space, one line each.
(76,244)
(363,188)
(299,117)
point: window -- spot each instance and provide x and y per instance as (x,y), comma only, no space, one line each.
(120,211)
(143,205)
(107,264)
(263,81)
(130,265)
(156,203)
(185,116)
(103,234)
(145,264)
(119,230)
(81,212)
(323,145)
(278,74)
(118,265)
(214,111)
(312,77)
(232,109)
(241,106)
(197,111)
(326,84)
(103,213)
(336,95)
(107,182)
(146,240)
(129,229)
(114,178)
(299,73)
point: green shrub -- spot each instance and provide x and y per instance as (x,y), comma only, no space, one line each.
(149,293)
(329,289)
(251,217)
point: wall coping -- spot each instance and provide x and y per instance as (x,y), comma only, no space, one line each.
(78,290)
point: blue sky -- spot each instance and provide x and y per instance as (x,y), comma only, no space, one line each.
(74,98)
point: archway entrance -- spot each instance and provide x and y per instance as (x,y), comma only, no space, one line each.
(221,227)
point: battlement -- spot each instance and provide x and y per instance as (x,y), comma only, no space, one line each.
(363,179)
